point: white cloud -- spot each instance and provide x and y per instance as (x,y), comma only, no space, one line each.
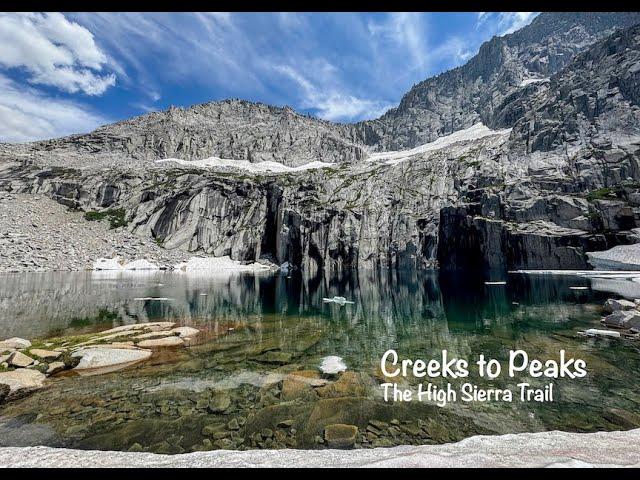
(331,102)
(505,22)
(458,49)
(54,51)
(512,21)
(195,49)
(406,30)
(27,115)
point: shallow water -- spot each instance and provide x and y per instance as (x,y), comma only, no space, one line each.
(236,390)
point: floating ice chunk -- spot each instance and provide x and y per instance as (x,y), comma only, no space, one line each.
(332,365)
(594,332)
(496,283)
(338,300)
(579,288)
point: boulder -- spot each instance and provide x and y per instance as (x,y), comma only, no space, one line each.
(14,343)
(613,305)
(298,384)
(47,355)
(55,367)
(219,401)
(20,360)
(339,435)
(22,381)
(185,332)
(154,326)
(623,319)
(104,359)
(172,341)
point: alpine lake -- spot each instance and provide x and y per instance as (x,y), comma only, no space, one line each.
(252,380)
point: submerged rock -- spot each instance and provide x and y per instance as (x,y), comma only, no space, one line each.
(275,357)
(350,384)
(340,435)
(298,384)
(219,402)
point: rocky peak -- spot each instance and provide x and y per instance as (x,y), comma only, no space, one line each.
(468,94)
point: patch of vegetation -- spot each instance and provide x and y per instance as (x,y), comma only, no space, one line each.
(104,317)
(595,217)
(600,194)
(116,217)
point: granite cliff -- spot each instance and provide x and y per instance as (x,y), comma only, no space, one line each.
(551,173)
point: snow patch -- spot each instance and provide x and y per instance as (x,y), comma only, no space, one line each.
(529,81)
(622,257)
(261,167)
(119,265)
(475,132)
(216,264)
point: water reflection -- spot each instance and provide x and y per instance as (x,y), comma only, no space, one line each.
(45,304)
(281,326)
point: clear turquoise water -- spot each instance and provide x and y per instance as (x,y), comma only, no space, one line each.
(260,329)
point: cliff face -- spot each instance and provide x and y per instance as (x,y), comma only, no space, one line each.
(561,179)
(579,139)
(364,215)
(233,129)
(474,92)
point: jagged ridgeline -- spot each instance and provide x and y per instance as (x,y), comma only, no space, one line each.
(524,157)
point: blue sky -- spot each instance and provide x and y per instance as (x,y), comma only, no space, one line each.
(69,73)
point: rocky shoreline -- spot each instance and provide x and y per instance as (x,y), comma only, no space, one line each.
(25,366)
(543,449)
